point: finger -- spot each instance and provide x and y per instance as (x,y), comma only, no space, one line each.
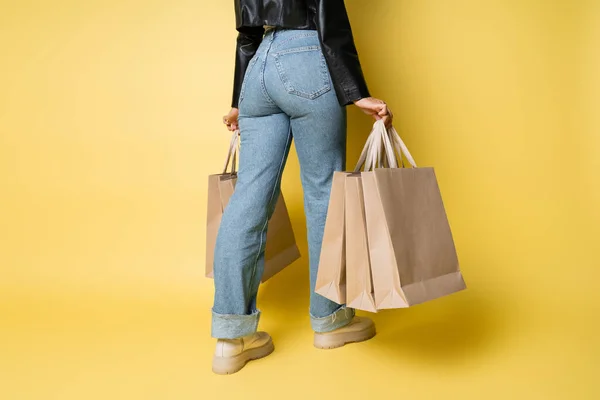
(383,110)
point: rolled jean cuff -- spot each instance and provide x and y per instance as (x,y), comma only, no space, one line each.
(233,326)
(341,317)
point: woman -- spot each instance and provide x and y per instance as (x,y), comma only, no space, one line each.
(296,70)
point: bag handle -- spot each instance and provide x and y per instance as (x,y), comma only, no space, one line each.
(233,153)
(364,153)
(401,147)
(382,150)
(370,151)
(379,149)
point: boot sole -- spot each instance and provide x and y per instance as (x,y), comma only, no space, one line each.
(231,365)
(333,341)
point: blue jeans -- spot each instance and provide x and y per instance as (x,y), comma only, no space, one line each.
(287,94)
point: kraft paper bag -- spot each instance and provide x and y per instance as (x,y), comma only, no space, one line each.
(331,277)
(410,241)
(359,283)
(280,250)
(215,205)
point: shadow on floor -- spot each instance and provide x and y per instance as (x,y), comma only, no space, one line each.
(453,329)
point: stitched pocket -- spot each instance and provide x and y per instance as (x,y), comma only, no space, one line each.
(303,71)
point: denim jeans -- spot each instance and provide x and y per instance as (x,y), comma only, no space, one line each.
(287,94)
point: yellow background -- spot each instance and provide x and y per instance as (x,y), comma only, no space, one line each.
(110,122)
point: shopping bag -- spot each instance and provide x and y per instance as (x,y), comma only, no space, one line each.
(331,276)
(215,205)
(410,242)
(280,249)
(359,282)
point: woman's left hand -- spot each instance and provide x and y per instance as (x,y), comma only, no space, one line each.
(231,119)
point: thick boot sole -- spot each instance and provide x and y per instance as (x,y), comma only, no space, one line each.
(231,365)
(332,341)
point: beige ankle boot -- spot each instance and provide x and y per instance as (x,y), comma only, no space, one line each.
(358,330)
(232,355)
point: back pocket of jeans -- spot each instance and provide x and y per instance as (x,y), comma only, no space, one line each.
(303,71)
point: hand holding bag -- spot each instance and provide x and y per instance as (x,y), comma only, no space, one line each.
(411,248)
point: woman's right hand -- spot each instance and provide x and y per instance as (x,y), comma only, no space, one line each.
(376,108)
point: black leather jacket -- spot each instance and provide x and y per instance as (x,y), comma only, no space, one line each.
(328,17)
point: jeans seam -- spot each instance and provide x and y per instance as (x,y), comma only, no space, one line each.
(301,49)
(248,72)
(235,316)
(263,87)
(299,36)
(312,95)
(262,231)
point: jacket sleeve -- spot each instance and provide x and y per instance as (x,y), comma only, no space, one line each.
(248,41)
(340,52)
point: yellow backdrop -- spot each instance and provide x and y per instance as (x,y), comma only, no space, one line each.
(110,122)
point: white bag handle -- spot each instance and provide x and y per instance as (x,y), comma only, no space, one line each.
(233,153)
(401,147)
(366,152)
(371,155)
(379,152)
(381,140)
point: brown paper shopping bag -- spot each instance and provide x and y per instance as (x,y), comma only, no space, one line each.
(281,249)
(331,277)
(359,279)
(359,283)
(215,204)
(410,242)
